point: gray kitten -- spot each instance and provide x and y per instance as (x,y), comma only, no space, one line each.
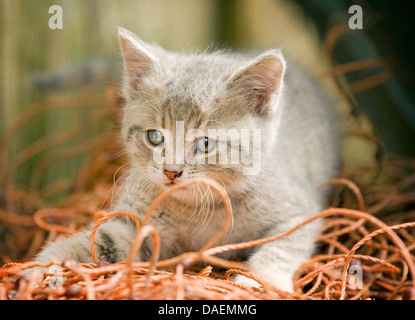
(292,141)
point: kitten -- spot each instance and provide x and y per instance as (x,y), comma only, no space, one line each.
(289,122)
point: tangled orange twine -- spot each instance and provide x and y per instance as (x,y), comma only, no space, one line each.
(153,277)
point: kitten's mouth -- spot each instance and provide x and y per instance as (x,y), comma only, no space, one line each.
(171,184)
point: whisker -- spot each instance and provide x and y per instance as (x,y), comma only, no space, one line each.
(115,183)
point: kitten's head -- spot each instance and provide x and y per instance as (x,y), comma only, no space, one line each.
(175,102)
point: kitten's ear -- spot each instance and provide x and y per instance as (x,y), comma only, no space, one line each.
(139,62)
(260,80)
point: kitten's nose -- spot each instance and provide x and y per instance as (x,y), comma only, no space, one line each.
(172,174)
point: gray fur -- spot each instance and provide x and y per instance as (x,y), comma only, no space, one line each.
(300,152)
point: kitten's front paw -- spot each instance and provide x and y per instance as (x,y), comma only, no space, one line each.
(282,283)
(53,275)
(248,282)
(55,278)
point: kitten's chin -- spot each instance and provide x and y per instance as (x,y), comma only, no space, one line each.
(185,195)
(190,195)
(193,194)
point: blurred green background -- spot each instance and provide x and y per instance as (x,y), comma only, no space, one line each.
(29,47)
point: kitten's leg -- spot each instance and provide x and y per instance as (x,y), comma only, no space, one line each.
(277,261)
(112,243)
(113,238)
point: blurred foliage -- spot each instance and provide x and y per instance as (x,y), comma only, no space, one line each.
(387,33)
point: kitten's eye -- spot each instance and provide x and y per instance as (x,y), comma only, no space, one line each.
(205,145)
(155,137)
